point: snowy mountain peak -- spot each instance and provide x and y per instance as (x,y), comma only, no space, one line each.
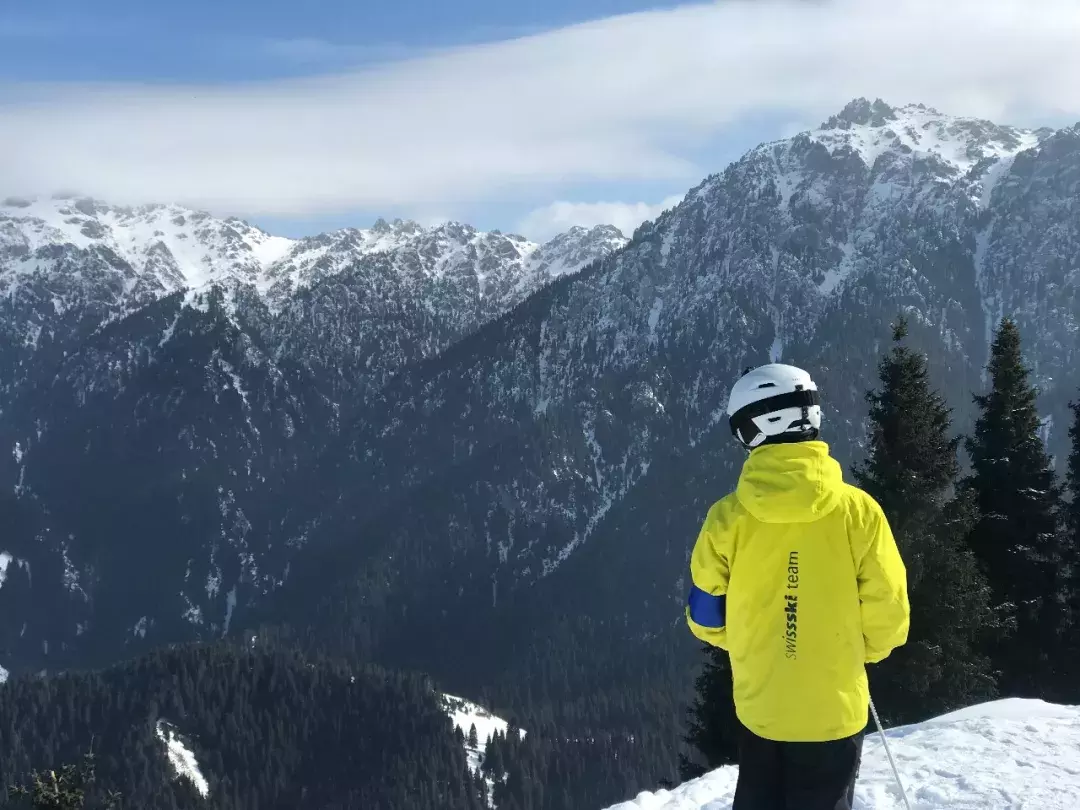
(405,227)
(499,262)
(875,129)
(574,249)
(861,112)
(595,232)
(167,245)
(153,250)
(915,130)
(872,159)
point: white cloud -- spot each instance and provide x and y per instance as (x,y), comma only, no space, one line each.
(543,223)
(619,99)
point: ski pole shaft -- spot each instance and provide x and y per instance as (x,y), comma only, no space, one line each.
(888,753)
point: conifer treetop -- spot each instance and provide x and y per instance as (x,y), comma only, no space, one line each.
(1074,456)
(911,460)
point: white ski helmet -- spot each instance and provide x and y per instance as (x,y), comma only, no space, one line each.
(774,403)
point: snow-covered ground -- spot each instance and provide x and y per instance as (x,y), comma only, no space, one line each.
(181,758)
(1006,755)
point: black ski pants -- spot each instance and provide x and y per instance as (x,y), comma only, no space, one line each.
(796,775)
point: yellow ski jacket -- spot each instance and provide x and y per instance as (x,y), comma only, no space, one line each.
(797,575)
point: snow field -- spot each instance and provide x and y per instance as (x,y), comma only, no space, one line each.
(1006,755)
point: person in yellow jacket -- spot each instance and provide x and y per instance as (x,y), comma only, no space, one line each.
(797,575)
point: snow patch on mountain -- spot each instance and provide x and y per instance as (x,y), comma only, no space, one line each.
(465,715)
(230,606)
(6,559)
(181,758)
(1001,168)
(996,756)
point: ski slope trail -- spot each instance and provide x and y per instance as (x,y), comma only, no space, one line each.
(1006,755)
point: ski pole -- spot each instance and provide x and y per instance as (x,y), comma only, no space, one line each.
(888,753)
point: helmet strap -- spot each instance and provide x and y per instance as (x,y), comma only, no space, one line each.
(810,435)
(805,407)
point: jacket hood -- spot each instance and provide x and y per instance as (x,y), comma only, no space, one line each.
(790,483)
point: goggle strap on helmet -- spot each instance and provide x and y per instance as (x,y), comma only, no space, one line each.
(742,421)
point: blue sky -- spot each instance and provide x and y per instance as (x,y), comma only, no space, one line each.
(515,115)
(212,41)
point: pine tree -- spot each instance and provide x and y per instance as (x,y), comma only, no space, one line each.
(1074,480)
(1071,676)
(1018,537)
(911,470)
(473,741)
(912,460)
(712,730)
(65,790)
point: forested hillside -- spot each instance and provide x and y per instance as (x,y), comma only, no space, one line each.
(222,727)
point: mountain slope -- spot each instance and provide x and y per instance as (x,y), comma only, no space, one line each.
(1011,753)
(143,513)
(158,433)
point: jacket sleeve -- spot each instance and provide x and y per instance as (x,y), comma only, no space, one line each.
(883,595)
(707,603)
